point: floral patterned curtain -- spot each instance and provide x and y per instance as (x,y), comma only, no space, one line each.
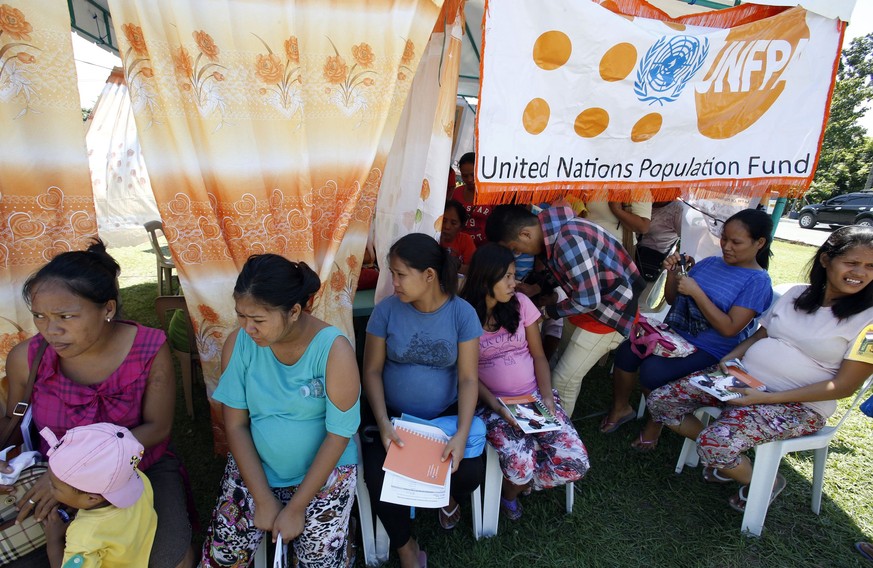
(46,205)
(265,127)
(414,184)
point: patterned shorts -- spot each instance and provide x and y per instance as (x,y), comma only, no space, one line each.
(232,538)
(544,460)
(738,429)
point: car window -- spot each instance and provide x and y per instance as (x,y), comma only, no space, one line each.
(856,200)
(838,200)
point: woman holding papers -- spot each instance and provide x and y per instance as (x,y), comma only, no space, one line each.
(512,364)
(289,389)
(420,359)
(813,347)
(714,306)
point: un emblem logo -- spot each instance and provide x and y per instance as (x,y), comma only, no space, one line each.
(667,67)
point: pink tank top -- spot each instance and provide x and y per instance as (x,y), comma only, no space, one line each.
(61,403)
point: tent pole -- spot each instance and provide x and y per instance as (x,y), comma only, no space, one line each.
(777,213)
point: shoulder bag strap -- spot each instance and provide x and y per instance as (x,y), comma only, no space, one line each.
(21,407)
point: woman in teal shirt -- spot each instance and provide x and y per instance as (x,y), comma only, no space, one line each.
(290,391)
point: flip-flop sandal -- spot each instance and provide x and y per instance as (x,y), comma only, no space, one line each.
(738,501)
(512,509)
(865,549)
(644,446)
(610,427)
(449,519)
(422,559)
(712,475)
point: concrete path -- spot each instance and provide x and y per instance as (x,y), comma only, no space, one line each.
(789,230)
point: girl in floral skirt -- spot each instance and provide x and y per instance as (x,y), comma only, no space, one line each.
(512,363)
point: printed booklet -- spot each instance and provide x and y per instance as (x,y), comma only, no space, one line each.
(414,474)
(530,414)
(717,382)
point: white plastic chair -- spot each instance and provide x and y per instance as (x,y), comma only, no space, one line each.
(261,554)
(375,539)
(766,465)
(493,487)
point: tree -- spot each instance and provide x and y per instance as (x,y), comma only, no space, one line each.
(847,150)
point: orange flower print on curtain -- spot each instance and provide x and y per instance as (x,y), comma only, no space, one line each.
(348,95)
(15,55)
(282,78)
(201,76)
(406,60)
(46,205)
(306,99)
(139,73)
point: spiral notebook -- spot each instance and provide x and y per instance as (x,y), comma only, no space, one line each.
(420,457)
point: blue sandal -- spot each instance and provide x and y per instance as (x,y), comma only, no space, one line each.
(512,509)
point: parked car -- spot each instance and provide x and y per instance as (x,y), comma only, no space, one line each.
(847,209)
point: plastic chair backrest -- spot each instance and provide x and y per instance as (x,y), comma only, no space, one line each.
(164,304)
(862,392)
(153,227)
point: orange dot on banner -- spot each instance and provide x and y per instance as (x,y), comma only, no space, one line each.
(536,116)
(618,61)
(551,50)
(438,224)
(591,122)
(676,26)
(646,127)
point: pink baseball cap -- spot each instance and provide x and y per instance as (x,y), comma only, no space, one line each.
(99,458)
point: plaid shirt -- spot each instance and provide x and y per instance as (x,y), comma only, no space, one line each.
(592,267)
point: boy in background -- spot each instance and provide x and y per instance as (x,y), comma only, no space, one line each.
(94,469)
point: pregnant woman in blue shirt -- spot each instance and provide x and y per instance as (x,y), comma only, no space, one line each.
(421,358)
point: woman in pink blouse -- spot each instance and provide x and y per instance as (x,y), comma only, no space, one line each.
(98,368)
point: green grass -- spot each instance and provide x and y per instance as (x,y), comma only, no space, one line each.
(631,510)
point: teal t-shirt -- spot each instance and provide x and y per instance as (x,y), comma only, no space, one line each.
(287,427)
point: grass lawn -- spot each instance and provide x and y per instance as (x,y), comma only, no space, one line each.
(631,510)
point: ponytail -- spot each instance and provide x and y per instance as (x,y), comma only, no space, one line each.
(275,281)
(449,272)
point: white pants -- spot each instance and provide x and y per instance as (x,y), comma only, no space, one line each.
(583,350)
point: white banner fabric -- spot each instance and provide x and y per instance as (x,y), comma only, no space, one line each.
(576,97)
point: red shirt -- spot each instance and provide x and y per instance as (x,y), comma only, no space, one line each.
(475,226)
(461,248)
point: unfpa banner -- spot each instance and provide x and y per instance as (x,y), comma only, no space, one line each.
(577,98)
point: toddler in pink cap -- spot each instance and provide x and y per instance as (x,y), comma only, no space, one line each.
(93,469)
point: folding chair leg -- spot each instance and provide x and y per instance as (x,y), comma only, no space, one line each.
(641,409)
(571,495)
(476,499)
(261,554)
(688,456)
(767,458)
(493,488)
(382,543)
(818,469)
